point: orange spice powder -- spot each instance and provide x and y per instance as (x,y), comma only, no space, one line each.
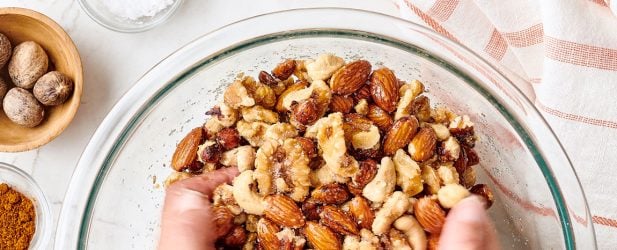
(17,216)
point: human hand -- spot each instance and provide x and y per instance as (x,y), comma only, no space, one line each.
(468,227)
(187,221)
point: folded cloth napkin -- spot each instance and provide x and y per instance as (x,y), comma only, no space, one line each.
(566,50)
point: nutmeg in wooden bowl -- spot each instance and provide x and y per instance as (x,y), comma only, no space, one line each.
(21,25)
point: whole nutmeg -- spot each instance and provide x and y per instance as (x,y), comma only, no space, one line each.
(4,87)
(5,50)
(53,88)
(22,108)
(28,63)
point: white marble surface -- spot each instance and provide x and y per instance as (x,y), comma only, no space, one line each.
(114,61)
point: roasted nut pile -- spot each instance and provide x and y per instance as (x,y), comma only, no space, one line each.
(332,155)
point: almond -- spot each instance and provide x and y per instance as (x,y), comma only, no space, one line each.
(295,87)
(486,193)
(266,234)
(266,78)
(342,104)
(429,214)
(422,146)
(400,134)
(350,77)
(285,69)
(305,112)
(186,151)
(338,221)
(223,220)
(381,118)
(283,211)
(333,193)
(361,210)
(384,89)
(321,237)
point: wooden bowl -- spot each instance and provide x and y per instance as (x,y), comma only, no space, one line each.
(21,25)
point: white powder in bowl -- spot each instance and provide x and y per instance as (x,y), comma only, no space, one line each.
(136,9)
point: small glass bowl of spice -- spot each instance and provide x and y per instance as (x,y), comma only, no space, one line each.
(130,15)
(25,215)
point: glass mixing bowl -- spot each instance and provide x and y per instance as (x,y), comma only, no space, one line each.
(114,199)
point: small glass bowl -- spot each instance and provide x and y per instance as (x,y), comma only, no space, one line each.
(103,16)
(23,183)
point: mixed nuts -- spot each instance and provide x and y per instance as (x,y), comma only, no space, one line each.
(332,155)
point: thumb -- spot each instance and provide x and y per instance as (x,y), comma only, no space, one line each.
(468,227)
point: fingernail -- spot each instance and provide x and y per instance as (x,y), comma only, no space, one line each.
(473,207)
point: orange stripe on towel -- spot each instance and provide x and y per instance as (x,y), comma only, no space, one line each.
(430,21)
(496,46)
(581,54)
(442,9)
(527,37)
(577,118)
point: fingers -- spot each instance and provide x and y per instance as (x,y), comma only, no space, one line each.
(206,183)
(187,213)
(468,227)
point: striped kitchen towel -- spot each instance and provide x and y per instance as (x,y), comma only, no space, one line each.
(566,50)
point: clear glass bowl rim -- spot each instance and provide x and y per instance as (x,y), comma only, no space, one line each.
(94,15)
(42,233)
(119,113)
